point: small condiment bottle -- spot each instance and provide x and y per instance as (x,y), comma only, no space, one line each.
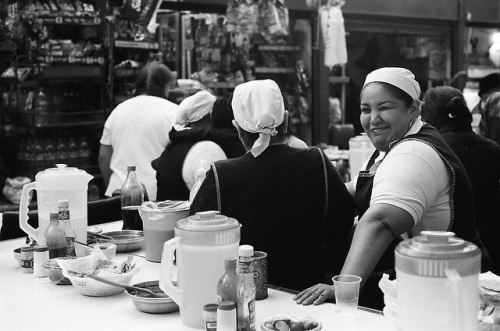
(40,257)
(210,317)
(226,316)
(27,260)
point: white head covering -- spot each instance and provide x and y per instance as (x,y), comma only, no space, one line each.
(399,77)
(194,108)
(258,107)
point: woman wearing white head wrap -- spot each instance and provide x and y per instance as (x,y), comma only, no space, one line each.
(284,191)
(258,107)
(194,108)
(412,182)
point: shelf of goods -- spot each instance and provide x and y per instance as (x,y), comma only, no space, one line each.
(56,92)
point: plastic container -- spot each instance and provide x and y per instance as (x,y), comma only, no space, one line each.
(437,283)
(360,149)
(201,243)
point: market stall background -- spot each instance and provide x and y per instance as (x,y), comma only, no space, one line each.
(94,52)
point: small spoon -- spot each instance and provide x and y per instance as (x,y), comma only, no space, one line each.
(127,287)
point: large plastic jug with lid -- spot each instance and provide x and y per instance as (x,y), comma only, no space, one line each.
(202,242)
(52,185)
(360,149)
(437,283)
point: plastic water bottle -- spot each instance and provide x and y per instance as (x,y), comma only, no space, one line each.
(200,177)
(246,290)
(132,197)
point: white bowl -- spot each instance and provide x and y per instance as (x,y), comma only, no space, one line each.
(109,249)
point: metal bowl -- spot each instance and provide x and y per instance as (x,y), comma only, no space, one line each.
(151,305)
(125,240)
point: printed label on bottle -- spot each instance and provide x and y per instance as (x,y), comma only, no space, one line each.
(70,246)
(211,326)
(63,215)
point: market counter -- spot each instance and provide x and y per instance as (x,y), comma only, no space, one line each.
(30,303)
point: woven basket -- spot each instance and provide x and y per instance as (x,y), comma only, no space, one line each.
(94,288)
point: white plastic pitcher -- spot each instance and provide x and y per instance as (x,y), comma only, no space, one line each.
(52,185)
(202,242)
(360,149)
(437,283)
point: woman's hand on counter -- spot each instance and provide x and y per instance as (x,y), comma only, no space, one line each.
(315,294)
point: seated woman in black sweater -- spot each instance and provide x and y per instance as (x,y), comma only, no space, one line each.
(446,109)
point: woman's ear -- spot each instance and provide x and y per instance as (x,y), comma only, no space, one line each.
(415,107)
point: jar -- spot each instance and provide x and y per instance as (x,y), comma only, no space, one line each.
(210,317)
(27,259)
(226,316)
(41,256)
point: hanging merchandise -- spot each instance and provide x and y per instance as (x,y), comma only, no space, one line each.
(242,16)
(333,31)
(273,19)
(142,13)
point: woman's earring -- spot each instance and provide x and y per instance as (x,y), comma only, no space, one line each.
(450,115)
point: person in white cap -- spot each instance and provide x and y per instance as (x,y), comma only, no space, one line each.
(281,195)
(197,136)
(412,182)
(136,131)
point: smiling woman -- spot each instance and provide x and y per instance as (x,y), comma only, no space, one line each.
(412,182)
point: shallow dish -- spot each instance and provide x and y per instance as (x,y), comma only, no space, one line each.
(145,303)
(125,240)
(292,323)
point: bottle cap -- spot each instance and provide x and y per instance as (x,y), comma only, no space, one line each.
(41,248)
(227,305)
(63,203)
(245,250)
(54,216)
(230,263)
(131,168)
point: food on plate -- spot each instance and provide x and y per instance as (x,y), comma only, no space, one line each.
(282,323)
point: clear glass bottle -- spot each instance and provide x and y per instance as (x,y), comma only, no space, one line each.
(228,283)
(55,237)
(132,197)
(65,221)
(246,290)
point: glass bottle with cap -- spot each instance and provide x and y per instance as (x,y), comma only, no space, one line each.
(55,237)
(132,197)
(228,283)
(65,221)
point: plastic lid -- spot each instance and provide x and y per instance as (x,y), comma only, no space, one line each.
(227,305)
(27,249)
(54,216)
(208,228)
(210,307)
(41,248)
(62,178)
(131,168)
(434,251)
(245,250)
(63,203)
